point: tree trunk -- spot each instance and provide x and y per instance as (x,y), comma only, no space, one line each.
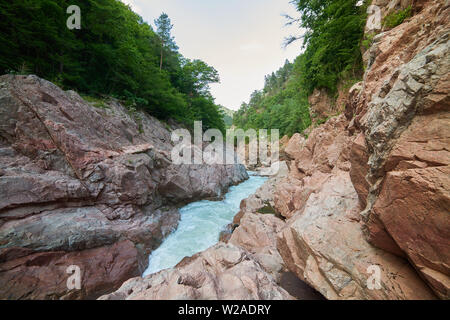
(160,64)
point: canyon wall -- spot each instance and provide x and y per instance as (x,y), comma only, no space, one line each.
(362,212)
(364,209)
(86,184)
(372,188)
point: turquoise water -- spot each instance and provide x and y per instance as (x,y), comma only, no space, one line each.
(200,226)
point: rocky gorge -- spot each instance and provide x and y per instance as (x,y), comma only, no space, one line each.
(369,189)
(85,185)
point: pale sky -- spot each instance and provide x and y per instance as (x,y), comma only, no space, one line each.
(242,39)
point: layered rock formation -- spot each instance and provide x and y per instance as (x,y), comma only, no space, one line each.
(87,186)
(373,189)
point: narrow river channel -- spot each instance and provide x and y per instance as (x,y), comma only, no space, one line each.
(200,226)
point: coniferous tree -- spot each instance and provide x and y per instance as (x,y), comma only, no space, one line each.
(163,29)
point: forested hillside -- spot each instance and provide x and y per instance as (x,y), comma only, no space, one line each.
(280,105)
(334,31)
(115,53)
(227,115)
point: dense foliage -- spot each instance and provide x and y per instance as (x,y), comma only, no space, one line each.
(397,17)
(115,53)
(280,105)
(334,30)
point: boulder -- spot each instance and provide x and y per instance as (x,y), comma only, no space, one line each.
(278,169)
(257,234)
(325,246)
(295,145)
(413,204)
(223,272)
(417,217)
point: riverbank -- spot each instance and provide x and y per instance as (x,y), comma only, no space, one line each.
(245,266)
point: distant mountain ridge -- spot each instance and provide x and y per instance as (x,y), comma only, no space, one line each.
(227,115)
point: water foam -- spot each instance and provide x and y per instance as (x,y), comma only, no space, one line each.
(200,226)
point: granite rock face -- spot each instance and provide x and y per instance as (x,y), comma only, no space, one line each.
(81,181)
(323,241)
(409,158)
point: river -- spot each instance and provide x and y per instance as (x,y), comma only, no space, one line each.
(200,226)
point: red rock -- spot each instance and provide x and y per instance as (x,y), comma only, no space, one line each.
(403,112)
(295,145)
(325,246)
(398,46)
(414,207)
(42,275)
(421,146)
(359,159)
(223,272)
(325,149)
(257,234)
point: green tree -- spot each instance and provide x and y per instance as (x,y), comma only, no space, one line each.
(196,77)
(334,29)
(163,29)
